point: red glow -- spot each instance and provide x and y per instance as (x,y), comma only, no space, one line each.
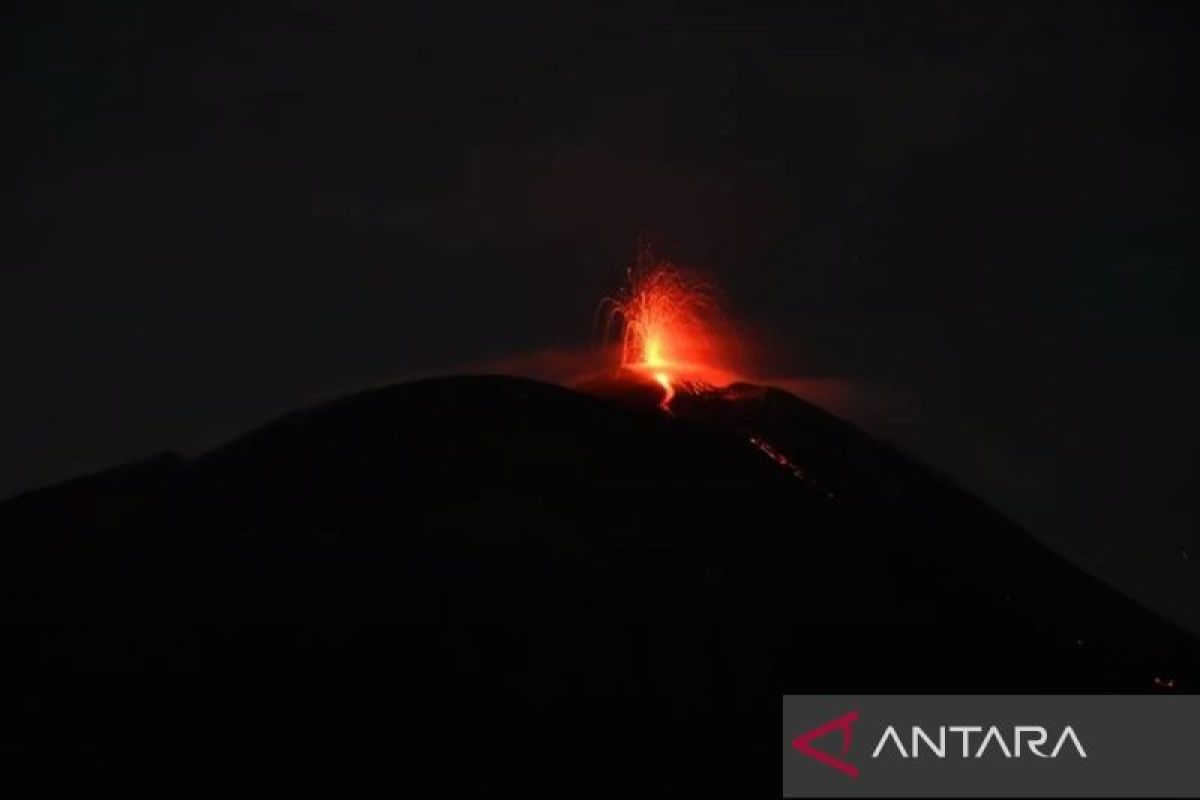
(669,328)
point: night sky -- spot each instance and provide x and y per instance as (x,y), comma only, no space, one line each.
(981,222)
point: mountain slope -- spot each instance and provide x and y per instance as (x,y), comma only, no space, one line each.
(471,583)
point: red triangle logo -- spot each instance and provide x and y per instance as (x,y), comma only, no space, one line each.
(803,743)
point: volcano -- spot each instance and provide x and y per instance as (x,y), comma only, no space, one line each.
(488,583)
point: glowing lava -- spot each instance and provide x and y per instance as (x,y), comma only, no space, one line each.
(668,326)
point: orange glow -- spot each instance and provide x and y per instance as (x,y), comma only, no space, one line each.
(669,326)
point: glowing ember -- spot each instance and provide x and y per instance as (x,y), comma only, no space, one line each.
(668,322)
(776,455)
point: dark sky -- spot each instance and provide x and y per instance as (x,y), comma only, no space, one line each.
(983,217)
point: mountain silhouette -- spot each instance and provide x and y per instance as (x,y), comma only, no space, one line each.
(492,584)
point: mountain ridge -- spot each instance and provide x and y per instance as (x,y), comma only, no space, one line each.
(354,580)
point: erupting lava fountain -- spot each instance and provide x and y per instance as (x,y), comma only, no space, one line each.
(671,328)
